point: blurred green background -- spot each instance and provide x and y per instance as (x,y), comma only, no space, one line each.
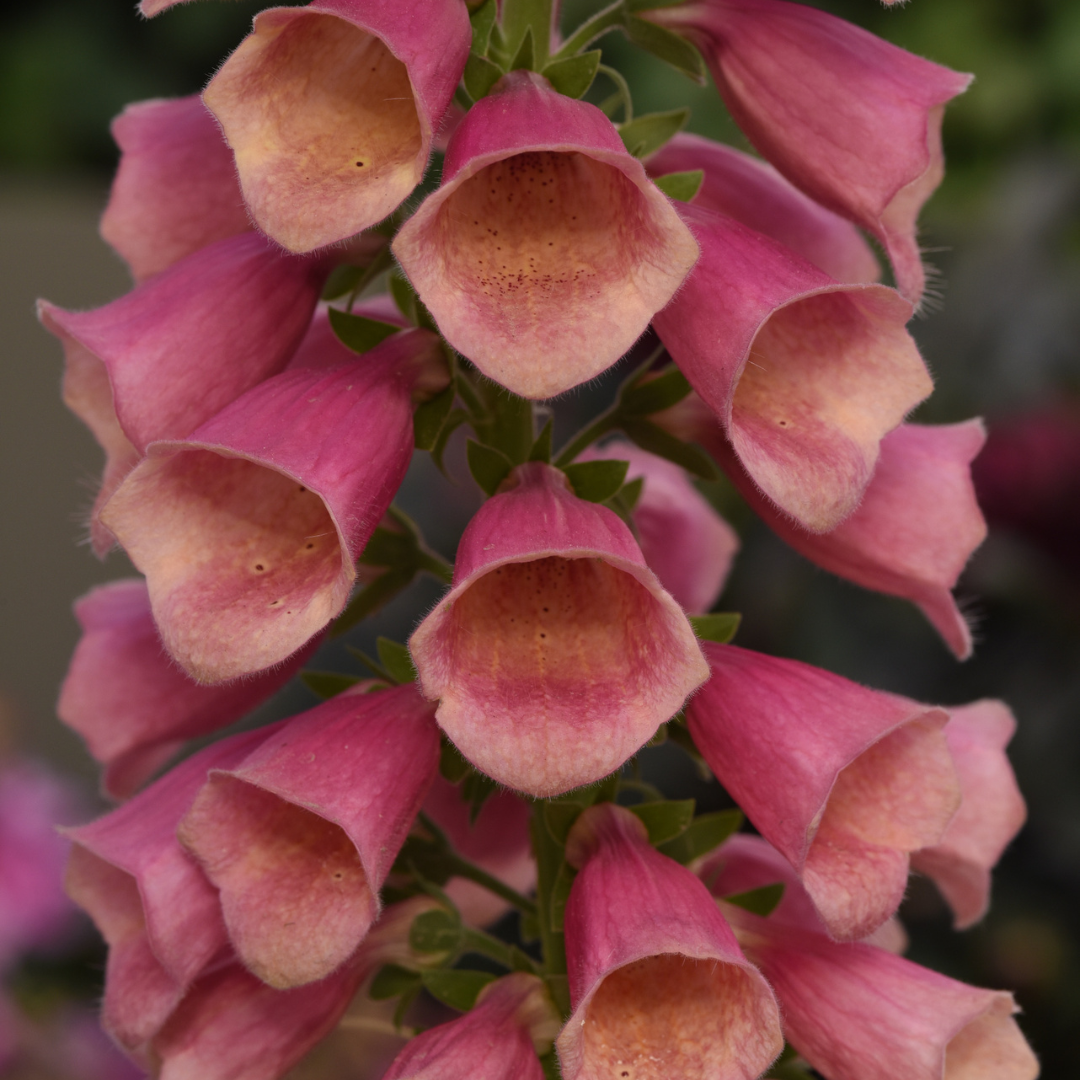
(1003,232)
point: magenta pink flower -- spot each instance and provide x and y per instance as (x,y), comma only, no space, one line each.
(658,984)
(546,250)
(297,845)
(990,815)
(248,530)
(130,702)
(331,110)
(844,781)
(806,375)
(852,120)
(557,653)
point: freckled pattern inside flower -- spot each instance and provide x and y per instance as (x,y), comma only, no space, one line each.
(231,550)
(323,122)
(825,380)
(672,1016)
(991,1046)
(293,891)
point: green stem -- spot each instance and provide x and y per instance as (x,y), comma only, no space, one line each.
(605,422)
(477,941)
(437,567)
(623,93)
(603,21)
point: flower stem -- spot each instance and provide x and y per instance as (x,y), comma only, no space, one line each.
(591,29)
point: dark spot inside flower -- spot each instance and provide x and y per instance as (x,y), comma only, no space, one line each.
(259,566)
(359,164)
(310,546)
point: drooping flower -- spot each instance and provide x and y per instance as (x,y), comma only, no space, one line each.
(557,653)
(546,250)
(331,110)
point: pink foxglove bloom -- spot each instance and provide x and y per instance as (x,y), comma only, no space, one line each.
(546,250)
(300,835)
(844,781)
(158,914)
(658,984)
(806,374)
(248,530)
(753,192)
(128,699)
(990,815)
(175,190)
(686,543)
(497,841)
(331,110)
(497,1039)
(557,653)
(852,120)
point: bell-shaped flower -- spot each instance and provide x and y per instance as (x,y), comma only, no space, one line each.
(754,193)
(130,702)
(331,110)
(557,653)
(248,530)
(498,841)
(686,543)
(806,374)
(858,1012)
(852,120)
(990,815)
(658,984)
(844,781)
(547,249)
(175,190)
(153,905)
(300,835)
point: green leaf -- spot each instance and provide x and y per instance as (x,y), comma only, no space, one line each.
(704,833)
(372,665)
(528,927)
(573,76)
(630,493)
(644,135)
(596,480)
(404,295)
(483,19)
(760,901)
(358,332)
(665,820)
(549,1064)
(560,894)
(476,790)
(657,441)
(396,659)
(343,279)
(668,46)
(527,17)
(541,448)
(719,627)
(405,1003)
(372,597)
(481,74)
(681,185)
(490,467)
(429,418)
(642,398)
(391,980)
(327,684)
(453,422)
(437,931)
(559,817)
(451,764)
(459,989)
(523,59)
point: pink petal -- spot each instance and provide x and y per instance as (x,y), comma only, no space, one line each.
(557,653)
(331,110)
(990,815)
(175,190)
(658,983)
(297,846)
(546,250)
(130,702)
(248,530)
(805,374)
(852,120)
(844,781)
(755,194)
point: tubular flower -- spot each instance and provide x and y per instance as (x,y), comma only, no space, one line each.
(298,849)
(331,110)
(658,984)
(248,530)
(845,782)
(557,653)
(546,250)
(850,119)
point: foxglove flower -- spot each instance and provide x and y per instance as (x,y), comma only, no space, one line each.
(331,110)
(546,250)
(557,653)
(658,984)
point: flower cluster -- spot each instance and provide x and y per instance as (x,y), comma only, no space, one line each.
(304,318)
